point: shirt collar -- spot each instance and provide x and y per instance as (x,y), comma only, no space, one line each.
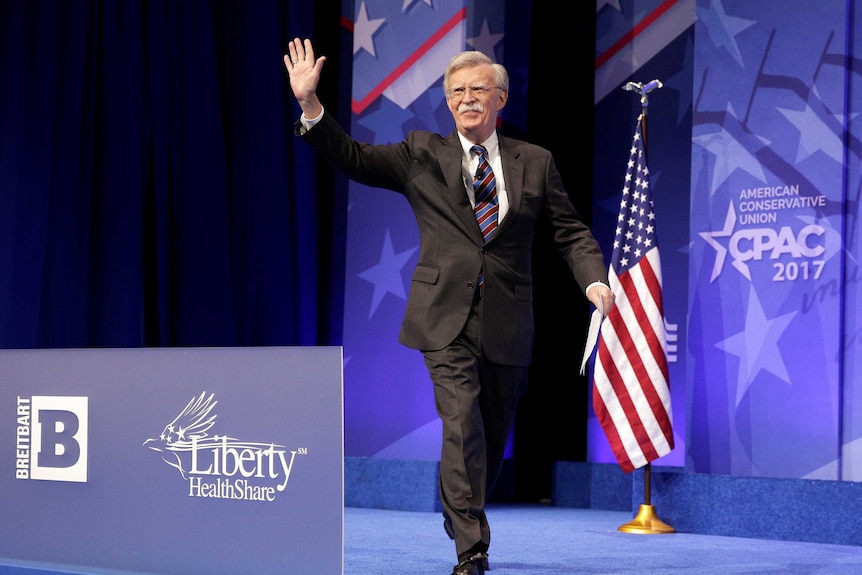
(490,144)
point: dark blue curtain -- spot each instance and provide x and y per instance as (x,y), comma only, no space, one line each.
(151,191)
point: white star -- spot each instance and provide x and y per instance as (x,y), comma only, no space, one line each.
(722,29)
(720,250)
(730,155)
(814,135)
(756,345)
(363,31)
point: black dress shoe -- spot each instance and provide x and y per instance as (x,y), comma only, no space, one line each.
(475,565)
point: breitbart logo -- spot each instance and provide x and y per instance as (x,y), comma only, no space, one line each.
(51,438)
(219,466)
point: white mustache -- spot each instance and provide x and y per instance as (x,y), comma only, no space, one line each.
(473,107)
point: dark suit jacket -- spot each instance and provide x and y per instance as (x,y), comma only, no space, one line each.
(426,169)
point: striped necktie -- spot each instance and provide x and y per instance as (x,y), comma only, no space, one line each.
(485,191)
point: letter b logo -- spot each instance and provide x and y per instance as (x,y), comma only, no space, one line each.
(59,439)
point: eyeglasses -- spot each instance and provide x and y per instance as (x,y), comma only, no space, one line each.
(457,94)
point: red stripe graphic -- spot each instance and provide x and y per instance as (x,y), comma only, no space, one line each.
(359,107)
(634,32)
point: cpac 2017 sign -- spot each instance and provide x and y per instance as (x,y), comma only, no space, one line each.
(762,206)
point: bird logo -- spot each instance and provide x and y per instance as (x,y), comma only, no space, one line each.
(192,423)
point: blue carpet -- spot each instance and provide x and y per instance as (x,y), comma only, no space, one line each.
(548,540)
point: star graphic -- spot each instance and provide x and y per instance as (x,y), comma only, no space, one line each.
(364,30)
(386,274)
(814,134)
(613,3)
(722,29)
(756,345)
(730,154)
(485,42)
(408,3)
(681,82)
(720,250)
(387,122)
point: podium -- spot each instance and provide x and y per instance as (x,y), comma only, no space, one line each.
(172,461)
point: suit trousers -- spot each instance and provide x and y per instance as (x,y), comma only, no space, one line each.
(476,401)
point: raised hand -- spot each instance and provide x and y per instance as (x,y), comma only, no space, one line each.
(304,71)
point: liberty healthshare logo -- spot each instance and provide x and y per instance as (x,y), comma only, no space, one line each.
(219,466)
(793,253)
(51,438)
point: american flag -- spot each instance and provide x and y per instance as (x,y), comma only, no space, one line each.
(631,397)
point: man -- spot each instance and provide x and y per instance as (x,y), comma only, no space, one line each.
(470,305)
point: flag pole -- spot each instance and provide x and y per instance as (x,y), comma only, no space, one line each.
(646,520)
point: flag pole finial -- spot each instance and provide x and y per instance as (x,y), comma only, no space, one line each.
(643,89)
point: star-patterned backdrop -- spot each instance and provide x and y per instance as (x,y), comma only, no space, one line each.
(754,162)
(773,253)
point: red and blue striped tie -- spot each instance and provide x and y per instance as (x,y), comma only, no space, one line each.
(485,189)
(485,192)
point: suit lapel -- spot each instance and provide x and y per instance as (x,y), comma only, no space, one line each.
(450,164)
(513,172)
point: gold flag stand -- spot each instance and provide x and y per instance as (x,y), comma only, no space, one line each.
(646,521)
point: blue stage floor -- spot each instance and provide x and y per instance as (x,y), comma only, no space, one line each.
(547,540)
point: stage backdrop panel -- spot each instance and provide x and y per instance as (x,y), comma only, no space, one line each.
(173,461)
(851,431)
(768,231)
